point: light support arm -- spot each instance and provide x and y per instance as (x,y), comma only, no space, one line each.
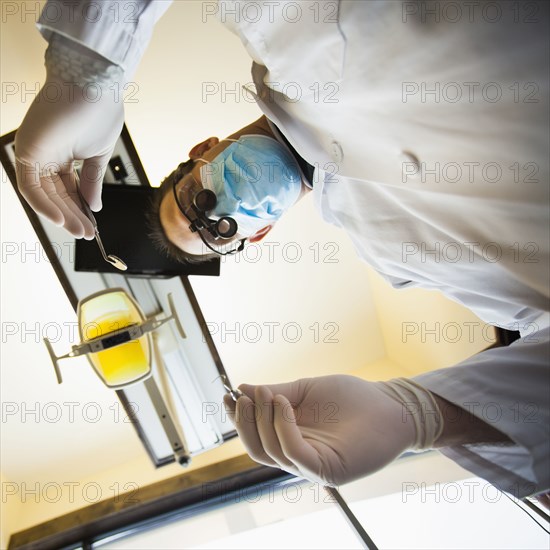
(177,442)
(115,338)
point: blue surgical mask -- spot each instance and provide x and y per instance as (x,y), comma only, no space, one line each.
(256,179)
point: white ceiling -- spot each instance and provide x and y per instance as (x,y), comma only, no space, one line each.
(168,118)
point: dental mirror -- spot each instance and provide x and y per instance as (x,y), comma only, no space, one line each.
(109,258)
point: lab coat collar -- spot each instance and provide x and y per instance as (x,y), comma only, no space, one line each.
(299,136)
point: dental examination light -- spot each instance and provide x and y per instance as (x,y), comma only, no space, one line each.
(117,338)
(168,386)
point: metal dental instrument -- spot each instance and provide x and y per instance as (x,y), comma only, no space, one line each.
(111,258)
(235,394)
(353,522)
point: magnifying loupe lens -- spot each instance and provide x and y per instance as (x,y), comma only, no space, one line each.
(226,227)
(205,200)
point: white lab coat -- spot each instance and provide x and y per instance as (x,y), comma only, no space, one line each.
(435,190)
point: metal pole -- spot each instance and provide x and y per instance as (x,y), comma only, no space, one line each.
(352,520)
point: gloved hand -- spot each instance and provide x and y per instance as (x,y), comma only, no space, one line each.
(334,429)
(65,122)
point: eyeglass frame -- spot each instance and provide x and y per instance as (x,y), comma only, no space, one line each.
(194,229)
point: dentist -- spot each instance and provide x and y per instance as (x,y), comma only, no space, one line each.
(432,132)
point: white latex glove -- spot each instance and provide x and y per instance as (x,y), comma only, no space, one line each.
(64,124)
(333,429)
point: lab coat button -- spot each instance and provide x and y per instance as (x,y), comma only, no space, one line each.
(410,165)
(337,153)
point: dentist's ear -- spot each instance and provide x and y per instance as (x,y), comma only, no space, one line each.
(198,150)
(260,234)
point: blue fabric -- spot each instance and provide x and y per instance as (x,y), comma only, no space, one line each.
(256,179)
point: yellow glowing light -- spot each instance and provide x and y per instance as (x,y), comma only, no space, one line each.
(109,314)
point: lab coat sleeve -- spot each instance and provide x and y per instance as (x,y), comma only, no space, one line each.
(509,388)
(119,30)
